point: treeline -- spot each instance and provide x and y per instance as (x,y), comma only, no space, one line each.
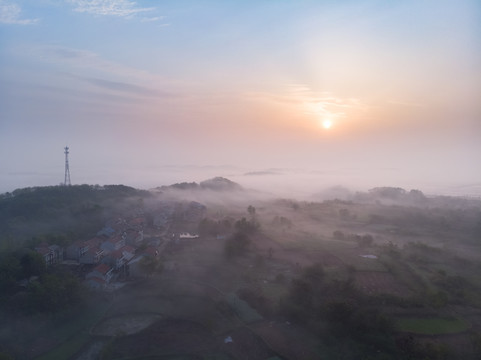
(70,211)
(27,286)
(348,322)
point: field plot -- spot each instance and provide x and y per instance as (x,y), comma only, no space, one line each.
(246,313)
(374,283)
(125,324)
(287,340)
(246,344)
(351,255)
(167,337)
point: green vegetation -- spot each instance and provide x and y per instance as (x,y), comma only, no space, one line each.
(65,212)
(431,326)
(237,245)
(242,309)
(361,279)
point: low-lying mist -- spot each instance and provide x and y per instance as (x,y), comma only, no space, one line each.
(279,182)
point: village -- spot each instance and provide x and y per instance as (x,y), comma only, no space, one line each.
(126,247)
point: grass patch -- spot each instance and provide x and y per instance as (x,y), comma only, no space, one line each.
(67,349)
(242,309)
(432,326)
(75,332)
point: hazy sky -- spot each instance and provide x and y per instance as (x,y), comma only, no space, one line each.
(147,93)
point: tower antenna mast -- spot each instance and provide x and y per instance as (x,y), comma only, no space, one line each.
(67,170)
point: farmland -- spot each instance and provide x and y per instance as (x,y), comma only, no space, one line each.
(304,280)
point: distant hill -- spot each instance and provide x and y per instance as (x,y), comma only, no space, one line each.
(214,184)
(220,184)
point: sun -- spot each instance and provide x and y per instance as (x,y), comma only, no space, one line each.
(326,124)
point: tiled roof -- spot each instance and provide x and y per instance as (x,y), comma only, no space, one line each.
(102,268)
(43,250)
(137,221)
(97,280)
(151,250)
(94,250)
(115,239)
(128,249)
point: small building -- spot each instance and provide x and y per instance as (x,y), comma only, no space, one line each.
(76,250)
(186,235)
(96,283)
(92,256)
(52,254)
(118,258)
(134,237)
(112,244)
(102,271)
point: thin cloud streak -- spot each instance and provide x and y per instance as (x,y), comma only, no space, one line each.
(120,8)
(10,13)
(152,19)
(127,88)
(84,59)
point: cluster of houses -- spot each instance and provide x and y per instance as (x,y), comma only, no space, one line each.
(114,252)
(117,250)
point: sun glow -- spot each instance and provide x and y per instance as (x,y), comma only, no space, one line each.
(326,124)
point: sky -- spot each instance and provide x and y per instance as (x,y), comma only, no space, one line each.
(283,94)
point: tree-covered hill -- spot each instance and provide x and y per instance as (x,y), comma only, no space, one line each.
(59,210)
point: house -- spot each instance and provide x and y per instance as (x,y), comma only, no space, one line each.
(52,254)
(76,250)
(106,231)
(137,223)
(136,266)
(193,212)
(112,244)
(156,242)
(92,256)
(79,248)
(95,241)
(186,235)
(151,251)
(118,258)
(163,215)
(103,272)
(96,283)
(134,237)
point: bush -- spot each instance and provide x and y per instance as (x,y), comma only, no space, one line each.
(237,245)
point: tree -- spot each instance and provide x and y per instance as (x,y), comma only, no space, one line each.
(10,271)
(314,273)
(149,265)
(53,293)
(237,244)
(32,263)
(365,240)
(247,226)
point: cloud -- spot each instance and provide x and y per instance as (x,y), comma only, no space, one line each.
(10,13)
(118,79)
(406,103)
(120,8)
(314,103)
(152,19)
(84,59)
(127,88)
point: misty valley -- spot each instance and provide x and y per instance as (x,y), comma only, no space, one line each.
(213,270)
